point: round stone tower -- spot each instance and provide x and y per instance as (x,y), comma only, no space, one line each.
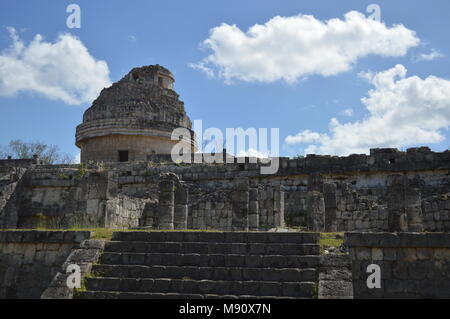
(133,119)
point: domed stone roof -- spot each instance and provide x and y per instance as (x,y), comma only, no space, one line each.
(142,103)
(133,120)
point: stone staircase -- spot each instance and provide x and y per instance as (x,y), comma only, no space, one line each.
(201,265)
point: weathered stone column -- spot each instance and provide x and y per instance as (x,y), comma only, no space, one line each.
(253,210)
(413,206)
(166,205)
(278,207)
(181,207)
(329,190)
(315,182)
(404,205)
(315,203)
(316,211)
(149,215)
(270,220)
(240,199)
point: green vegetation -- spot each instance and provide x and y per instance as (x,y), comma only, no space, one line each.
(178,163)
(152,164)
(93,275)
(331,240)
(82,170)
(63,176)
(99,233)
(77,292)
(289,223)
(106,233)
(316,290)
(42,221)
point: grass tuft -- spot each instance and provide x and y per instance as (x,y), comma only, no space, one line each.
(331,240)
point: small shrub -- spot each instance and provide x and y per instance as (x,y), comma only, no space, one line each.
(63,176)
(82,170)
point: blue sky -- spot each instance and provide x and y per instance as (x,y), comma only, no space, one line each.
(126,34)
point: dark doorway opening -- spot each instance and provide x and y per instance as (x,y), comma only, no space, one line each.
(123,156)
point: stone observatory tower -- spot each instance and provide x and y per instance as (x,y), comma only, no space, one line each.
(133,119)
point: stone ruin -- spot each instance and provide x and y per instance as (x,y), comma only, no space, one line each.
(127,179)
(387,190)
(133,119)
(394,206)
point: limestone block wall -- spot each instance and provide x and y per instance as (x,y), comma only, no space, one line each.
(238,208)
(359,204)
(436,213)
(23,163)
(211,215)
(272,207)
(374,219)
(296,205)
(360,193)
(85,256)
(123,212)
(360,210)
(64,198)
(140,148)
(412,265)
(10,178)
(30,259)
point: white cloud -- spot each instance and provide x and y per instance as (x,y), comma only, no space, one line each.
(434,54)
(77,159)
(252,153)
(403,111)
(63,70)
(200,66)
(366,75)
(305,136)
(291,48)
(348,112)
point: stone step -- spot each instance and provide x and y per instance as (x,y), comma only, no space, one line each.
(149,295)
(210,260)
(213,248)
(219,237)
(208,273)
(254,288)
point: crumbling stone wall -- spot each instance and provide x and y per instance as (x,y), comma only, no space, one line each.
(10,178)
(412,265)
(30,259)
(296,208)
(212,213)
(84,256)
(360,210)
(67,197)
(359,193)
(22,163)
(436,213)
